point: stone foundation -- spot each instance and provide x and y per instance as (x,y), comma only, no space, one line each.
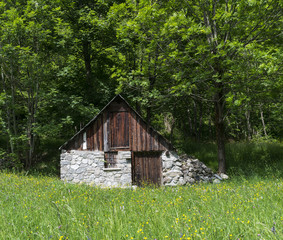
(88,167)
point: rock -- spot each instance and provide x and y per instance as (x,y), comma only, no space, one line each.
(181,181)
(179,164)
(184,167)
(173,173)
(171,184)
(80,170)
(190,180)
(217,176)
(75,167)
(76,180)
(65,162)
(197,178)
(177,168)
(184,157)
(84,161)
(167,164)
(224,176)
(216,181)
(64,170)
(68,157)
(167,179)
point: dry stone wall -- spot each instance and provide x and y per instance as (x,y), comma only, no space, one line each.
(181,170)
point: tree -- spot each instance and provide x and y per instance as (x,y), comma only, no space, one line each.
(201,45)
(24,40)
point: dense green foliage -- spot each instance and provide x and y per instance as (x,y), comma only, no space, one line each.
(197,70)
(46,208)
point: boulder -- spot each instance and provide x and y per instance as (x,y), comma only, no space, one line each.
(224,176)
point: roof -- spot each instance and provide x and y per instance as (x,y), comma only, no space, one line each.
(92,120)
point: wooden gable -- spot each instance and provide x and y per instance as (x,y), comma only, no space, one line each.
(117,127)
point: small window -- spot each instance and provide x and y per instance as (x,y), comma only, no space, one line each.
(84,141)
(110,159)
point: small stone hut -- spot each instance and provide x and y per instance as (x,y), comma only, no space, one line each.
(118,148)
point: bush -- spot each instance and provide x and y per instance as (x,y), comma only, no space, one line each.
(9,160)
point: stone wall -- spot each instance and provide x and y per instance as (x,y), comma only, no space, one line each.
(186,170)
(88,167)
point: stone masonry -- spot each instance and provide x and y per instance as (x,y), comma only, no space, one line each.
(186,170)
(88,167)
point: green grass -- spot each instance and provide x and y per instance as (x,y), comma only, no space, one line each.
(47,208)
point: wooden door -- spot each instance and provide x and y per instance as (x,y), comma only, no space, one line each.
(147,168)
(119,130)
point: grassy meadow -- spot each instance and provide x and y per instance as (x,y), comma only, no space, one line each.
(40,207)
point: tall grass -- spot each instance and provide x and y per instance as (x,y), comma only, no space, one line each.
(243,158)
(47,208)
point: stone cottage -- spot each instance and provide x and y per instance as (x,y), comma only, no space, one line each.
(118,148)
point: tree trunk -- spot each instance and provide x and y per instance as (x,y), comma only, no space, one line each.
(249,128)
(190,123)
(262,121)
(30,126)
(8,113)
(220,128)
(211,135)
(195,121)
(200,121)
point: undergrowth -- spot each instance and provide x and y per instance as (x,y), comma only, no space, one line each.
(247,159)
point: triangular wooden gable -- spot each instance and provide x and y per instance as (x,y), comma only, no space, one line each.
(117,127)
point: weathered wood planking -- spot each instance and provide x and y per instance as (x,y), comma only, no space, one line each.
(118,127)
(147,168)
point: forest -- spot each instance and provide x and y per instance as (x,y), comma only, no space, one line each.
(206,71)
